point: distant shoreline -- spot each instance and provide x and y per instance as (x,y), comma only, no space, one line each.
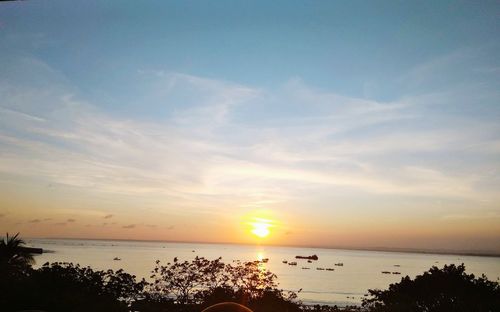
(376,249)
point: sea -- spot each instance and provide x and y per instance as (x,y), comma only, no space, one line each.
(345,285)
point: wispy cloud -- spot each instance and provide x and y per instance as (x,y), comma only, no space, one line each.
(482,216)
(231,144)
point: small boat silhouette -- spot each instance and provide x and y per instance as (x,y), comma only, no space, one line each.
(313,257)
(116,259)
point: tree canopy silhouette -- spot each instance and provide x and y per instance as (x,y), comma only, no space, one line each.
(68,287)
(449,289)
(203,282)
(13,257)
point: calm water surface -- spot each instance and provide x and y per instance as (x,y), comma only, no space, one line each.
(345,285)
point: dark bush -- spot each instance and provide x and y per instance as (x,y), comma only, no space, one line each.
(274,300)
(68,287)
(449,289)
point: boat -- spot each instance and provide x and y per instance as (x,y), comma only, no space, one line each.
(313,257)
(397,273)
(386,272)
(305,268)
(320,269)
(339,264)
(116,259)
(285,261)
(292,263)
(265,260)
(330,269)
(309,261)
(397,265)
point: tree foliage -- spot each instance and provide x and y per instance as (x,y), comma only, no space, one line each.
(189,282)
(13,257)
(69,287)
(449,289)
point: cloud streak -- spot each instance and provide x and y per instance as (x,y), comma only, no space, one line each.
(333,147)
(233,145)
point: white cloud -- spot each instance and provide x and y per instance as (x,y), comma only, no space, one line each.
(231,144)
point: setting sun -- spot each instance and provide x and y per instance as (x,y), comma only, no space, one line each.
(260,227)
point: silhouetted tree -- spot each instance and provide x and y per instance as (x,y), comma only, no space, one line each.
(194,285)
(68,287)
(251,278)
(13,257)
(180,280)
(449,289)
(190,282)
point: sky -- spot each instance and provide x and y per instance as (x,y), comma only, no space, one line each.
(326,123)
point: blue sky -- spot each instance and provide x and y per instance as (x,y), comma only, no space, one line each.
(346,123)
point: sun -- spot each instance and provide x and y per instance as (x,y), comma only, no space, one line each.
(260,224)
(260,227)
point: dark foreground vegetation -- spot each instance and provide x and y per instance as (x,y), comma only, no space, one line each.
(189,286)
